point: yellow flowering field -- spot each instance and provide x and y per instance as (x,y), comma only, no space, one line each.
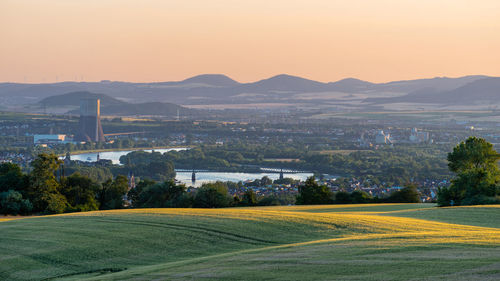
(361,242)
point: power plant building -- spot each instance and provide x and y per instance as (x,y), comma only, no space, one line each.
(382,138)
(90,121)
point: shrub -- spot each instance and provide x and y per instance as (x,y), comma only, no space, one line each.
(408,194)
(269,201)
(212,195)
(12,203)
(359,197)
(164,195)
(481,200)
(249,198)
(342,197)
(312,193)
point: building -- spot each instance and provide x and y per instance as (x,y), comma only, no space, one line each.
(363,142)
(131,181)
(49,139)
(419,136)
(90,121)
(382,138)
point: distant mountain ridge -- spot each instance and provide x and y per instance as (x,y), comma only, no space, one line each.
(437,83)
(287,89)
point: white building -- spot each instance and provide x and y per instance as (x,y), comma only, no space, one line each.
(49,139)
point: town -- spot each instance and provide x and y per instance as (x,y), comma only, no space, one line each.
(24,136)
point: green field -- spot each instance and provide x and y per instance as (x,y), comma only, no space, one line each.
(333,242)
(416,115)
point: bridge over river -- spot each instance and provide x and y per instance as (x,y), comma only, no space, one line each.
(202,176)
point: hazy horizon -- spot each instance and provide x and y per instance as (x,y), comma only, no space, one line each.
(242,82)
(147,41)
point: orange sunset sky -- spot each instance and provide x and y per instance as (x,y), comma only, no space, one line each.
(325,40)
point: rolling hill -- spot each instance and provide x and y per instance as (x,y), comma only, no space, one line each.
(284,83)
(217,80)
(351,85)
(328,242)
(112,106)
(484,90)
(73,99)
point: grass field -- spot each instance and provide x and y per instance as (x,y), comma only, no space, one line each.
(333,242)
(416,115)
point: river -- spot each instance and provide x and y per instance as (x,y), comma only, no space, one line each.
(205,177)
(114,156)
(185,177)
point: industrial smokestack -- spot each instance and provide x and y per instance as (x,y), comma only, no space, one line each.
(90,121)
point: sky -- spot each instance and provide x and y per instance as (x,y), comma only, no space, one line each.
(324,40)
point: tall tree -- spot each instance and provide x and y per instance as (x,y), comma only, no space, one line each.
(249,198)
(164,195)
(112,194)
(477,174)
(80,192)
(134,193)
(44,188)
(311,193)
(473,154)
(12,178)
(212,195)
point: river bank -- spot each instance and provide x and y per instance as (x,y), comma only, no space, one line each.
(78,152)
(234,174)
(114,155)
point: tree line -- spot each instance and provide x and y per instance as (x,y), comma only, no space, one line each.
(391,165)
(477,181)
(46,190)
(311,193)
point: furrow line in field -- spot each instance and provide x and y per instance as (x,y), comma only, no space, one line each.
(140,271)
(204,230)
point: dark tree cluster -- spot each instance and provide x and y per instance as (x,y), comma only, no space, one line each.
(477,181)
(168,194)
(311,193)
(45,190)
(152,165)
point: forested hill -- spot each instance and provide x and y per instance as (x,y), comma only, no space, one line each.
(112,106)
(485,90)
(74,98)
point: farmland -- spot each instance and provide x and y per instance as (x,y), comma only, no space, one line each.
(347,242)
